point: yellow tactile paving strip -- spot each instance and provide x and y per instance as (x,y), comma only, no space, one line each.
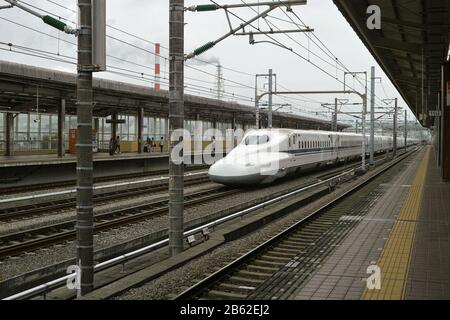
(395,258)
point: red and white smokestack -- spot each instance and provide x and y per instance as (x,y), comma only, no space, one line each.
(157,66)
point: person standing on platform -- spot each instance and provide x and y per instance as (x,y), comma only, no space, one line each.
(149,147)
(118,145)
(161,144)
(213,146)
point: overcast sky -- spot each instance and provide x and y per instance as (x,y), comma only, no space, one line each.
(148,19)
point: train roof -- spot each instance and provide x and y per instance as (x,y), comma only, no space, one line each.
(312,132)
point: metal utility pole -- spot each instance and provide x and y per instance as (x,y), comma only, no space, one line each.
(335,114)
(256,103)
(258,97)
(406,130)
(364,132)
(270,125)
(364,113)
(372,116)
(91,58)
(176,120)
(85,211)
(394,154)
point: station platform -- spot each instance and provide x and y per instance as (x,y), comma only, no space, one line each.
(31,160)
(401,248)
(18,171)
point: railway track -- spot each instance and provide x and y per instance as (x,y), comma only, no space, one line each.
(33,210)
(71,183)
(29,240)
(23,241)
(29,211)
(277,268)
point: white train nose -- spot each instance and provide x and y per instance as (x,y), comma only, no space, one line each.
(233,174)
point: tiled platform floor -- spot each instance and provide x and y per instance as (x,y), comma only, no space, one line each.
(429,272)
(405,233)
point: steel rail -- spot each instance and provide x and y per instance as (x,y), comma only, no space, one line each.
(73,191)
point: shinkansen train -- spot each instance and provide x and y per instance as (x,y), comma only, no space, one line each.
(266,155)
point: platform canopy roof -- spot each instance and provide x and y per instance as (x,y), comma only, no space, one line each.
(19,85)
(411,46)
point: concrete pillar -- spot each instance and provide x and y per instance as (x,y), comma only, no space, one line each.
(61,127)
(9,134)
(114,119)
(176,122)
(140,130)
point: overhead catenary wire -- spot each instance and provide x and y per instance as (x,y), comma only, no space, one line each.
(330,54)
(150,52)
(135,75)
(194,68)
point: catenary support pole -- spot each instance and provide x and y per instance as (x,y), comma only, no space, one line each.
(85,217)
(270,124)
(394,154)
(335,113)
(176,119)
(372,116)
(406,130)
(256,103)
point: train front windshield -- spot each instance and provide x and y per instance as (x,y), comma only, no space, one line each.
(256,140)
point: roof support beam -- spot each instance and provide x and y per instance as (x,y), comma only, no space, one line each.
(384,43)
(403,23)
